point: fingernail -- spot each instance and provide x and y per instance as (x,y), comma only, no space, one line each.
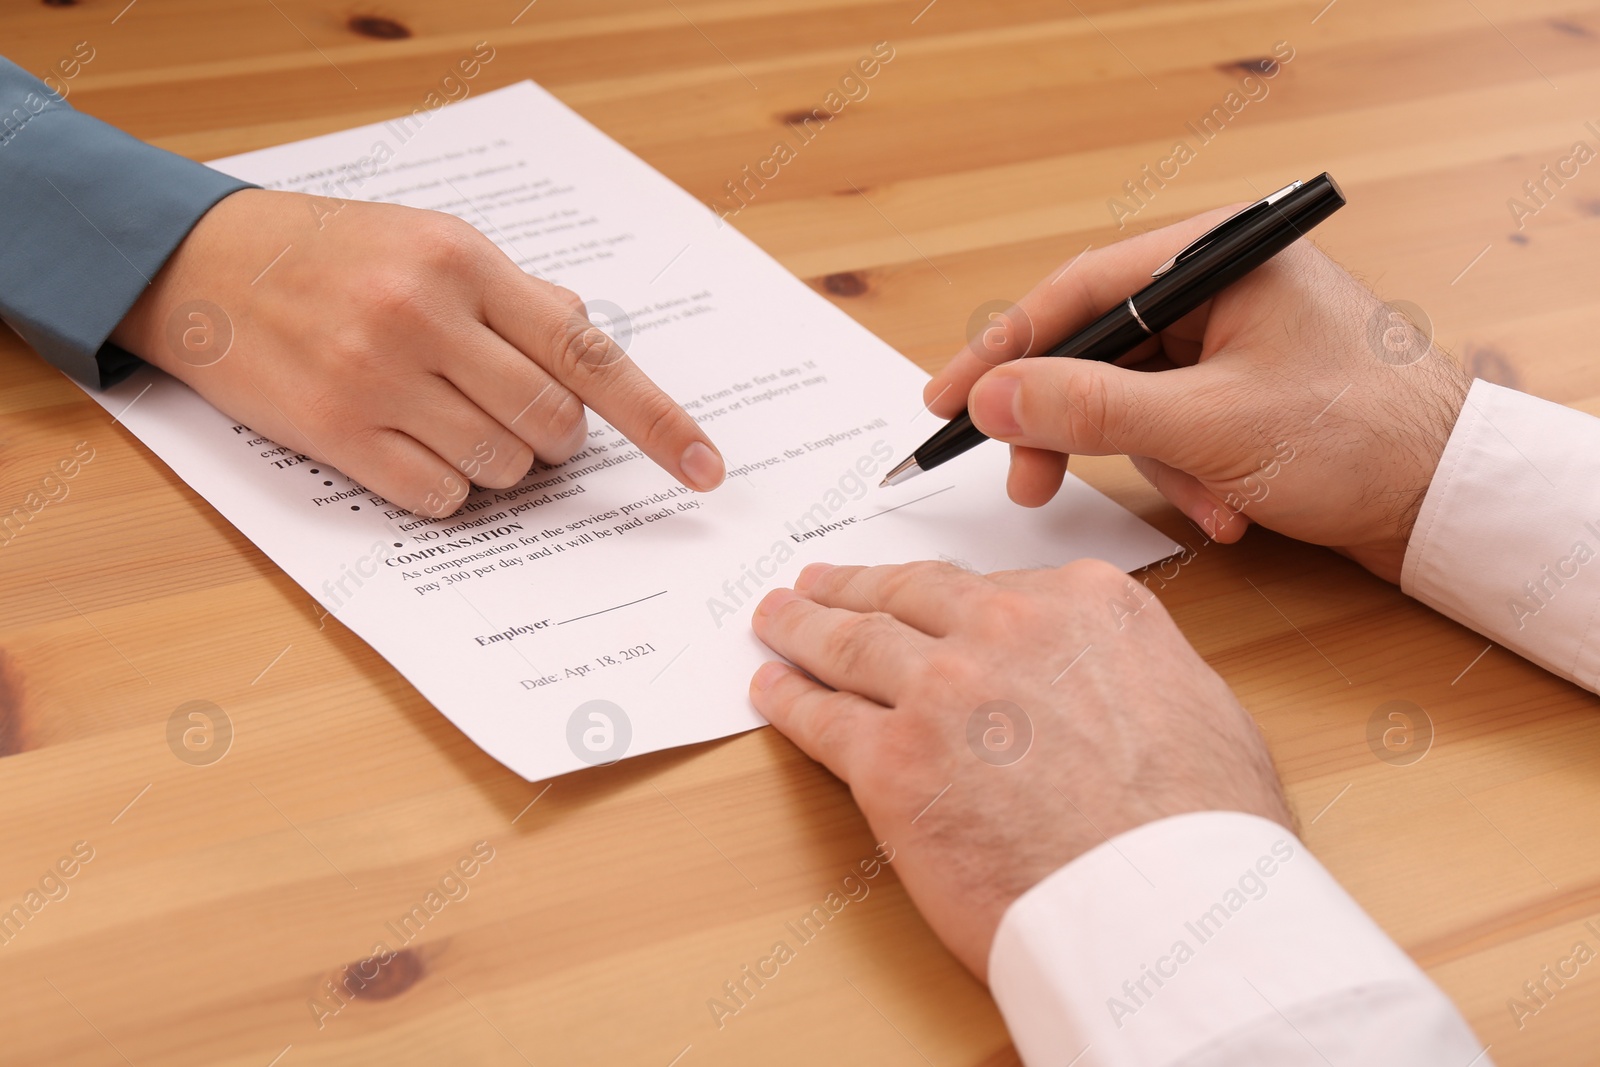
(768,674)
(775,600)
(702,467)
(809,576)
(994,406)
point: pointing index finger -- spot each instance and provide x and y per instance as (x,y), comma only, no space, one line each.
(532,316)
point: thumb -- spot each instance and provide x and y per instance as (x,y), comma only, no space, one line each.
(1090,408)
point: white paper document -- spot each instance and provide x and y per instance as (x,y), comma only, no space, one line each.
(598,609)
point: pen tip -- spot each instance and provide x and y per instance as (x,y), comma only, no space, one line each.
(907,470)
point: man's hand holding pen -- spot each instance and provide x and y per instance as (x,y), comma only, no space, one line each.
(1266,404)
(1282,363)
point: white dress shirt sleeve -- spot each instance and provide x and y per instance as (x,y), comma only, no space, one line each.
(1213,938)
(1508,539)
(1216,938)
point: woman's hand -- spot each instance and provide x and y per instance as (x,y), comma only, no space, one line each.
(398,345)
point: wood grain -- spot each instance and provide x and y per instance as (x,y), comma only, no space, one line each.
(220,899)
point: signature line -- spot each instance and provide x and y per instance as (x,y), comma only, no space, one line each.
(602,611)
(908,503)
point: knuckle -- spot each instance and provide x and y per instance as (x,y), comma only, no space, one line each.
(1088,404)
(443,242)
(583,344)
(661,420)
(842,644)
(1083,294)
(1091,584)
(831,583)
(951,668)
(519,460)
(1007,610)
(395,294)
(854,644)
(1101,586)
(1093,576)
(566,416)
(359,359)
(505,468)
(906,577)
(832,733)
(921,572)
(569,298)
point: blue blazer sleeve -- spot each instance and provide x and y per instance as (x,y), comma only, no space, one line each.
(89,215)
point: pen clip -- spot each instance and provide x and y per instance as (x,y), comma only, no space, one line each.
(1221,227)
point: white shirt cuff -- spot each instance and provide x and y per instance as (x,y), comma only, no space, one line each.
(1508,538)
(1211,930)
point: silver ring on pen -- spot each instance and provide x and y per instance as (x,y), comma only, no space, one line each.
(1135,313)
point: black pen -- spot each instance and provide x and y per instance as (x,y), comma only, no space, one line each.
(1218,258)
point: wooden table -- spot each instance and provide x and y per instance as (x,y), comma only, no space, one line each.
(221,899)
